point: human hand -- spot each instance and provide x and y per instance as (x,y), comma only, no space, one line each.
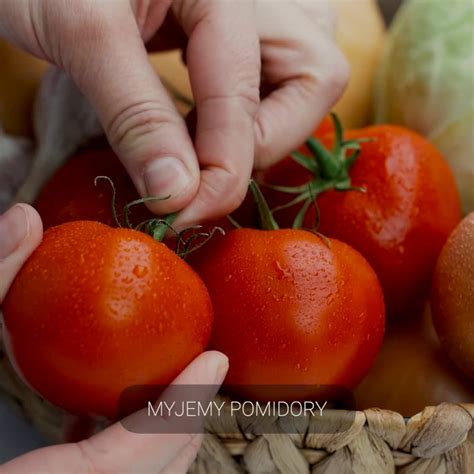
(230,47)
(115,449)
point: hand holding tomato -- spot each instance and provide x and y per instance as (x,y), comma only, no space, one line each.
(96,310)
(118,450)
(115,448)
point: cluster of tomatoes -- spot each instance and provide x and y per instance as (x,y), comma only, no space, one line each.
(99,308)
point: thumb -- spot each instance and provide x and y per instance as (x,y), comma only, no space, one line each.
(139,118)
(20,233)
(144,445)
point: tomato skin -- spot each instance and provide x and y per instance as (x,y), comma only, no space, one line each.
(70,195)
(96,310)
(287,310)
(452,296)
(401,222)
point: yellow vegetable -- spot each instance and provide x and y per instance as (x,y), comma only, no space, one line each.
(19,80)
(174,74)
(361,36)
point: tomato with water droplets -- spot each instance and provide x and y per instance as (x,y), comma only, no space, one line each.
(96,310)
(400,222)
(291,309)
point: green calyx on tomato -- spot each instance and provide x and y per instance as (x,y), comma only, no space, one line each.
(187,240)
(330,169)
(155,227)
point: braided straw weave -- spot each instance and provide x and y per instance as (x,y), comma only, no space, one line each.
(439,440)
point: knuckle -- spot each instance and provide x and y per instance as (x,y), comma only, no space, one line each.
(248,78)
(241,105)
(329,75)
(139,119)
(264,155)
(250,96)
(323,13)
(85,22)
(340,72)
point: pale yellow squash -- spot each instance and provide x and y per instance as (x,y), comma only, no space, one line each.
(20,74)
(361,35)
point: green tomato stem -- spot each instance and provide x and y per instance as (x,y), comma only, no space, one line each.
(267,220)
(330,170)
(163,226)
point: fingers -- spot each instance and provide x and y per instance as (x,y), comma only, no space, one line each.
(112,68)
(118,450)
(223,58)
(187,455)
(308,74)
(20,233)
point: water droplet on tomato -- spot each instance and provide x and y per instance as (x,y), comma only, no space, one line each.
(140,271)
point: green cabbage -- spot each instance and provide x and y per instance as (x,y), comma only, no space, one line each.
(426,80)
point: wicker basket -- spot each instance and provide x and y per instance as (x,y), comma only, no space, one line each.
(439,440)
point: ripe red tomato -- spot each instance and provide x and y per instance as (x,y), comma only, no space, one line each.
(399,224)
(71,194)
(96,310)
(291,309)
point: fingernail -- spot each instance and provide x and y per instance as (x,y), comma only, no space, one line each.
(166,177)
(221,370)
(13,230)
